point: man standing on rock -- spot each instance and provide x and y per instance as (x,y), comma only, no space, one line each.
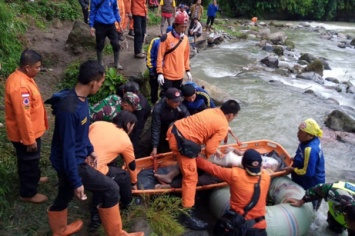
(140,16)
(103,15)
(174,50)
(26,122)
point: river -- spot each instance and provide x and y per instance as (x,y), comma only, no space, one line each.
(272,110)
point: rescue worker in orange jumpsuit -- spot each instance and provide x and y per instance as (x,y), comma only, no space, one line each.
(174,50)
(110,140)
(208,127)
(26,122)
(241,182)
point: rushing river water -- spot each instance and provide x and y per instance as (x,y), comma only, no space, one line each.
(274,110)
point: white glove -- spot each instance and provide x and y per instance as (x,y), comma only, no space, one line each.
(161,79)
(189,76)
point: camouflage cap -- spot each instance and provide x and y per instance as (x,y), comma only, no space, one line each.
(133,100)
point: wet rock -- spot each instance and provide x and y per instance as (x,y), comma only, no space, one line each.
(325,63)
(352,42)
(2,125)
(268,48)
(290,45)
(345,137)
(79,37)
(340,121)
(297,69)
(278,50)
(270,61)
(264,32)
(303,62)
(315,66)
(290,55)
(251,36)
(262,43)
(309,91)
(277,38)
(311,76)
(350,89)
(307,57)
(285,65)
(332,101)
(331,79)
(341,35)
(341,45)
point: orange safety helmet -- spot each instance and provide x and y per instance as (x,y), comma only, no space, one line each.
(254,19)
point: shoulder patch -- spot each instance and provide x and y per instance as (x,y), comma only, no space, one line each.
(163,37)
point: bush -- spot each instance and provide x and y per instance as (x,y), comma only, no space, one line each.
(112,81)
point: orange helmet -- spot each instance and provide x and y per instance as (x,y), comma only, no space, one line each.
(181,18)
(254,19)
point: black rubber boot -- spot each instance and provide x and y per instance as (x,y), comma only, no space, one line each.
(116,56)
(191,222)
(95,221)
(99,57)
(131,33)
(333,225)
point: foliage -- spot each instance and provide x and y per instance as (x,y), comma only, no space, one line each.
(161,213)
(288,9)
(14,17)
(112,81)
(11,28)
(153,18)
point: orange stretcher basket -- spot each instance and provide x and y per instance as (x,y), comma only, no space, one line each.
(168,159)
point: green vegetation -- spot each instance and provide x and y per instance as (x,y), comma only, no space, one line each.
(15,15)
(161,212)
(112,81)
(291,9)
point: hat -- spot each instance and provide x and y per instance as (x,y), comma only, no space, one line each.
(182,5)
(133,100)
(310,126)
(169,29)
(173,94)
(251,162)
(188,90)
(181,18)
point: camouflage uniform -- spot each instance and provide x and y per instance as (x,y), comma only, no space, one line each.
(106,109)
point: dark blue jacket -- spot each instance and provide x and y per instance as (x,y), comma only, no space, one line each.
(309,164)
(202,101)
(152,54)
(107,14)
(70,144)
(212,10)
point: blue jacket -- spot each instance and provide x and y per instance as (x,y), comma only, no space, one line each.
(309,164)
(212,10)
(70,143)
(201,102)
(107,14)
(152,54)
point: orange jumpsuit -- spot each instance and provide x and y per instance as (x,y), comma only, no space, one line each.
(241,188)
(110,141)
(25,114)
(207,127)
(175,63)
(122,10)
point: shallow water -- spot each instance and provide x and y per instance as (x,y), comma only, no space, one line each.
(273,110)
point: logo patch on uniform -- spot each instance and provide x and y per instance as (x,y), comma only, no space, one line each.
(172,45)
(255,163)
(303,125)
(26,101)
(84,121)
(25,95)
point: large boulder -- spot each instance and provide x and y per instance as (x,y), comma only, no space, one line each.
(264,32)
(80,38)
(270,61)
(340,121)
(307,57)
(277,38)
(352,42)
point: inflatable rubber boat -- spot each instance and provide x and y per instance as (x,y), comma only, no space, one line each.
(282,218)
(162,164)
